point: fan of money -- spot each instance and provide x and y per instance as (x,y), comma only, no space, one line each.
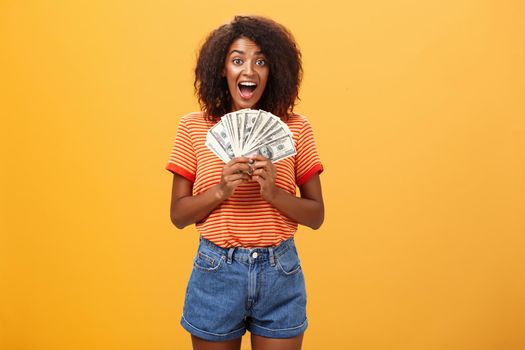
(250,132)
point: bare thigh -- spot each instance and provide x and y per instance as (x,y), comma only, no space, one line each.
(201,344)
(262,343)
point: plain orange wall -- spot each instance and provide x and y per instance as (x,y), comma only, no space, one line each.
(419,113)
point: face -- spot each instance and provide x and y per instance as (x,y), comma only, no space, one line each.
(246,71)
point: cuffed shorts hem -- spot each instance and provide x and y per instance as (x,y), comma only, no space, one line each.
(278,333)
(211,336)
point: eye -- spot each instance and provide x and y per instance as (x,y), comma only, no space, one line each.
(260,62)
(237,61)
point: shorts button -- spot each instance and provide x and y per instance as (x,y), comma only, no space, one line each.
(254,255)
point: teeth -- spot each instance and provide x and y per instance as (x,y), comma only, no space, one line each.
(247,83)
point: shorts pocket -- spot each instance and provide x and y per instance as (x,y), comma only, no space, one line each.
(207,260)
(288,263)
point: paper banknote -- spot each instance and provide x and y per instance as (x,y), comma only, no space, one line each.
(248,132)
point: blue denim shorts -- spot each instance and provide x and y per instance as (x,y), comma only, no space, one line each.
(232,290)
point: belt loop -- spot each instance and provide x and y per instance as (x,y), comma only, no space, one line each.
(230,255)
(272,256)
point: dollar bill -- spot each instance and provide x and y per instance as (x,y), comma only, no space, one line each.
(275,150)
(251,118)
(215,147)
(220,134)
(249,132)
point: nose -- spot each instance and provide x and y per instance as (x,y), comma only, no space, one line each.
(249,68)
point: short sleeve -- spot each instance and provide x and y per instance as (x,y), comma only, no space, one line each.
(182,159)
(307,161)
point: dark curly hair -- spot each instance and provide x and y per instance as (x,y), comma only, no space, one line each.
(282,54)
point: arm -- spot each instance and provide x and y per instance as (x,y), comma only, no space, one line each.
(307,210)
(187,209)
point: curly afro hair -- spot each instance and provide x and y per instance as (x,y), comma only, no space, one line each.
(282,54)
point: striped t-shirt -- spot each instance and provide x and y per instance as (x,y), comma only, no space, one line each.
(244,219)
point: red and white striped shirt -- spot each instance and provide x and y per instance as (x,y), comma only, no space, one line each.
(244,219)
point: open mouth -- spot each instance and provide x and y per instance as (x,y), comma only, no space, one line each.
(246,89)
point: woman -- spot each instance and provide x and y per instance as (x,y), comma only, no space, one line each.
(246,274)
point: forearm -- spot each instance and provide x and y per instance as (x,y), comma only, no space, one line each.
(191,209)
(304,211)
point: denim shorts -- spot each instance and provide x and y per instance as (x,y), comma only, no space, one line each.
(232,290)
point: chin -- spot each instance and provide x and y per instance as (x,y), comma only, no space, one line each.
(246,104)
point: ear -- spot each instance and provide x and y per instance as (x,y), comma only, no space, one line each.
(223,74)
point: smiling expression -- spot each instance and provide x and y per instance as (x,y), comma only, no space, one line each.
(246,72)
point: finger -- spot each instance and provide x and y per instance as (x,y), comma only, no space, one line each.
(239,167)
(235,177)
(238,160)
(237,182)
(261,164)
(260,181)
(258,157)
(261,173)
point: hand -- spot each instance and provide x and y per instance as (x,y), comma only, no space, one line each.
(264,174)
(234,173)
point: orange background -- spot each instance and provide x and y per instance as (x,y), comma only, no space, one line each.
(419,113)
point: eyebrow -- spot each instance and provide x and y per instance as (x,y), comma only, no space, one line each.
(242,52)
